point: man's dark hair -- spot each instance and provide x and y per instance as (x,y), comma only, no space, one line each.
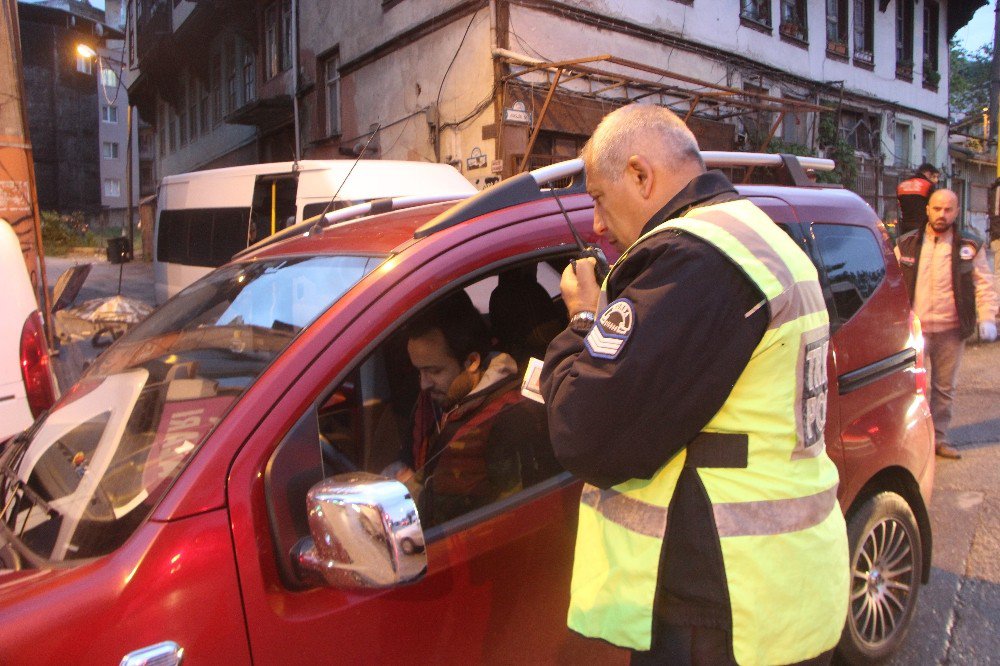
(927,167)
(464,329)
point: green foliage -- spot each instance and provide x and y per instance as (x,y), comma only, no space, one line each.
(842,153)
(789,148)
(61,232)
(969,83)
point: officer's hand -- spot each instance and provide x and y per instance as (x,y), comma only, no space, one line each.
(987,331)
(580,290)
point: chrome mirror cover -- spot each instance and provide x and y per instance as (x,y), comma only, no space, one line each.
(365,531)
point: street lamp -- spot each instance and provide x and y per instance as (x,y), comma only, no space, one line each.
(86,51)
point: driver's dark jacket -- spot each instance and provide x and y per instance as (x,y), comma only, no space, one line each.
(698,319)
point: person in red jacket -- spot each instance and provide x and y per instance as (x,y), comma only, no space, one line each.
(912,196)
(475,438)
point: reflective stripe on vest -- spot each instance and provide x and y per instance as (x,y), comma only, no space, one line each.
(775,512)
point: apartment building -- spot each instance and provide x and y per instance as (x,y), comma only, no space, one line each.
(494,86)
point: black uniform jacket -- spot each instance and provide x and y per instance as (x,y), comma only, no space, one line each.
(611,420)
(697,320)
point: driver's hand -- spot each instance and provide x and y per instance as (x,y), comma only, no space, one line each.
(399,471)
(580,290)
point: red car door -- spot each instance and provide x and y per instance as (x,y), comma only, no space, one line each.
(497,582)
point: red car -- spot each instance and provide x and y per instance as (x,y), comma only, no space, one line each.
(209,488)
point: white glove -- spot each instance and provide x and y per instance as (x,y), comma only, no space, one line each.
(987,331)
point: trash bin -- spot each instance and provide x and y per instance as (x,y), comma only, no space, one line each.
(118,250)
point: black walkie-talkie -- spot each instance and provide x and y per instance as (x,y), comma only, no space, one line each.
(601,267)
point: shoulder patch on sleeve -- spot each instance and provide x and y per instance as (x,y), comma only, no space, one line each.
(967,251)
(614,326)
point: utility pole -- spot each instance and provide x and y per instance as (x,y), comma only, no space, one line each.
(991,139)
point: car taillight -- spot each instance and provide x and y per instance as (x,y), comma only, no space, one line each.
(916,341)
(36,369)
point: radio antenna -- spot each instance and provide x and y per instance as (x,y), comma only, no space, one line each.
(601,267)
(361,154)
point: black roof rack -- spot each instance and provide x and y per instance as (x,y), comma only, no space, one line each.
(531,185)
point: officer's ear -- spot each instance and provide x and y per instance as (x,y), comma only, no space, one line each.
(639,172)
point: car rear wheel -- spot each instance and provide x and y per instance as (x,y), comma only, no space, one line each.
(886,560)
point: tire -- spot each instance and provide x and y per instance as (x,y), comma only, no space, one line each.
(886,563)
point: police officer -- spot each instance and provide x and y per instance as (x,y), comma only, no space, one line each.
(912,196)
(690,394)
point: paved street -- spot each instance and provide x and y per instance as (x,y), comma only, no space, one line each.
(103,280)
(958,614)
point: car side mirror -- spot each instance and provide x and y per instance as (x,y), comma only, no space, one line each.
(365,531)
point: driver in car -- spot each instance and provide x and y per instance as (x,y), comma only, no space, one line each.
(473,431)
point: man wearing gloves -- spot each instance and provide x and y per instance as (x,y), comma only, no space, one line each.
(690,394)
(951,288)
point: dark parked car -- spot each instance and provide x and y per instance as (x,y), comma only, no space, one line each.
(210,485)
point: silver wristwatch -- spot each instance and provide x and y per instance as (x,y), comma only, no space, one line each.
(583,321)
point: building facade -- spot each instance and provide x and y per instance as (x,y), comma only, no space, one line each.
(492,86)
(77,108)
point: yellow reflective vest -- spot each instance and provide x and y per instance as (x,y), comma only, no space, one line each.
(762,463)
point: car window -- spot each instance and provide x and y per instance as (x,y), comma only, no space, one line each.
(852,260)
(461,459)
(80,481)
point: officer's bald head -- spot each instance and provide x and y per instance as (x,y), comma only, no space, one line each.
(652,131)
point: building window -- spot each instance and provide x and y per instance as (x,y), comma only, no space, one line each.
(904,39)
(928,152)
(932,75)
(109,150)
(192,97)
(793,19)
(836,27)
(795,128)
(332,97)
(271,39)
(231,72)
(215,79)
(864,31)
(902,151)
(278,37)
(162,121)
(112,187)
(173,129)
(109,114)
(249,78)
(286,35)
(182,114)
(109,77)
(203,104)
(84,65)
(758,11)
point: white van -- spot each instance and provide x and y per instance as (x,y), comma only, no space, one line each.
(205,217)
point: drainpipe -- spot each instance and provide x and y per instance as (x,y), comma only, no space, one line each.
(295,81)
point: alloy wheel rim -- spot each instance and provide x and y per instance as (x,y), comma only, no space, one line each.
(883,579)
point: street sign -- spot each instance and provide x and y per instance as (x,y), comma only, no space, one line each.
(517,115)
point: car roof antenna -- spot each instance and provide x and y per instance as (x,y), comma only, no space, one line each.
(601,268)
(329,205)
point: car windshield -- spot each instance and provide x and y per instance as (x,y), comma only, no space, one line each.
(82,479)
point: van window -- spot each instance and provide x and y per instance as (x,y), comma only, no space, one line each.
(201,236)
(273,205)
(852,260)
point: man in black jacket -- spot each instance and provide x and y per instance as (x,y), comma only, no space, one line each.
(912,196)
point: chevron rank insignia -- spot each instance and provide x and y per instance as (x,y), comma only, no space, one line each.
(612,331)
